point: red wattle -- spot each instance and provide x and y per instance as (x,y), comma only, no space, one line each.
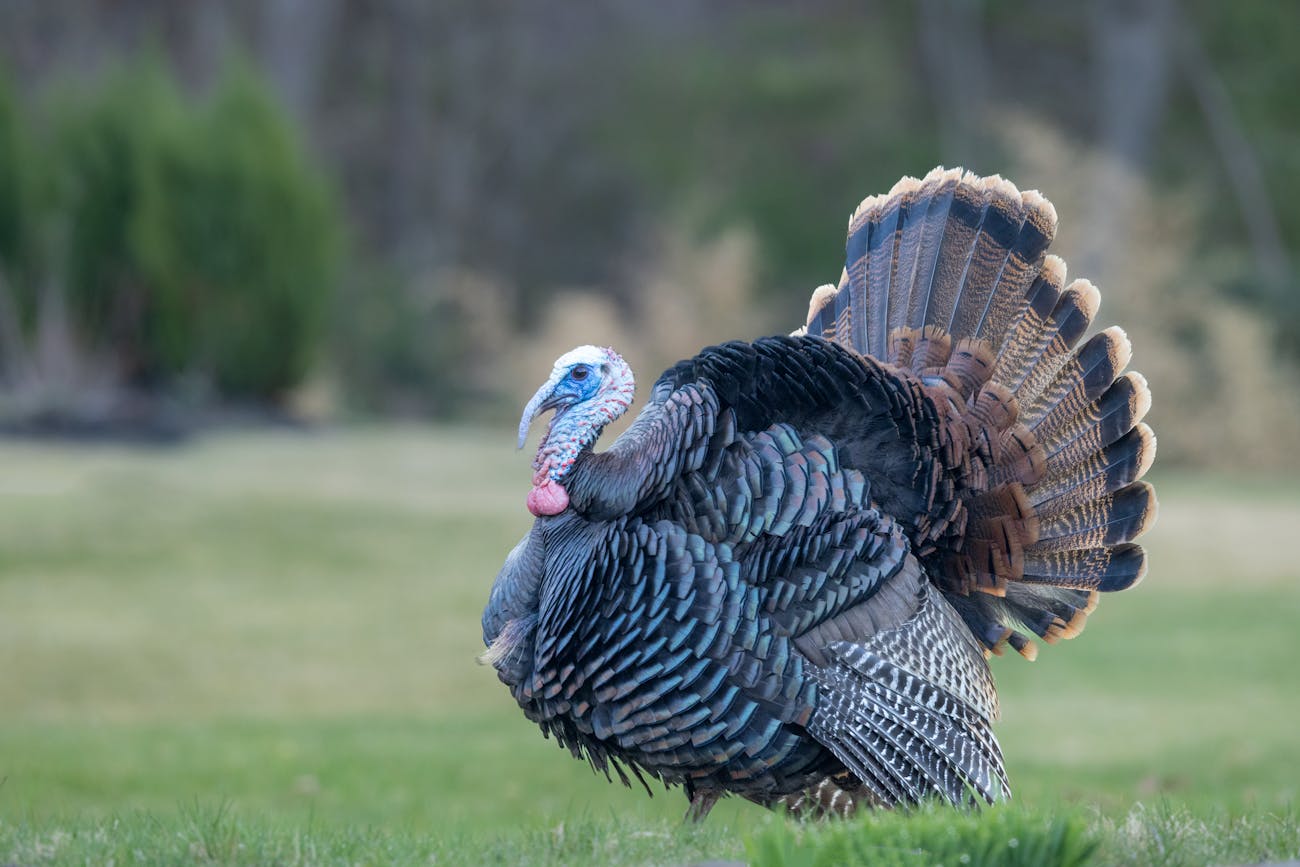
(548,498)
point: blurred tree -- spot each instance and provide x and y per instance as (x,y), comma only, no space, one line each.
(15,202)
(179,239)
(23,173)
(237,237)
(104,141)
(13,179)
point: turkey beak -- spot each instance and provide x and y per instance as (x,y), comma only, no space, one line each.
(545,399)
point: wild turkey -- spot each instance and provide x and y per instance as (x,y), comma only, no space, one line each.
(784,579)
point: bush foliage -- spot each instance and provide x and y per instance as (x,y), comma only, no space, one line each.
(193,240)
(15,188)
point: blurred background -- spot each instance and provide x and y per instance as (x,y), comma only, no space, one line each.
(337,208)
(377,223)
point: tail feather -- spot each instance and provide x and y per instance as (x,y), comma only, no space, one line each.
(916,219)
(860,296)
(1051,615)
(840,327)
(949,280)
(1107,520)
(1105,569)
(1027,336)
(1120,408)
(1071,484)
(927,257)
(969,204)
(907,311)
(1080,450)
(823,298)
(1050,349)
(1003,217)
(1079,382)
(1011,296)
(880,266)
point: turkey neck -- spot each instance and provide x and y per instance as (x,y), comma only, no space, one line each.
(572,433)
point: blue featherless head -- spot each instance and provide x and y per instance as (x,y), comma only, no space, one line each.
(588,388)
(591,382)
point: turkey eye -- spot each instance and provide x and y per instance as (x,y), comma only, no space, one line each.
(579,373)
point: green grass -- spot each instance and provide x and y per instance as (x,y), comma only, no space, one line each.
(1010,836)
(270,639)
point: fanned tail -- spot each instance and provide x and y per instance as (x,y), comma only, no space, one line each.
(948,280)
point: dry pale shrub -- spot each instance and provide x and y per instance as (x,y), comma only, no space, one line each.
(689,295)
(50,376)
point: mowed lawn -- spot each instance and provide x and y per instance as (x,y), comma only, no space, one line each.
(284,626)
